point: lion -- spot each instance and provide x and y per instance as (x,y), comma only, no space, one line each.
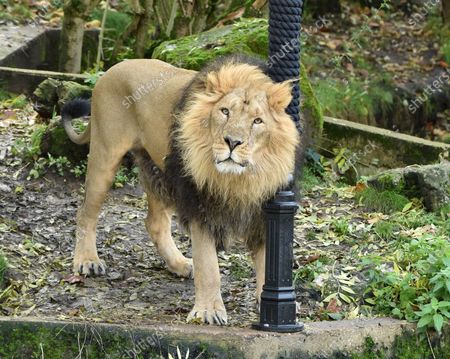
(212,147)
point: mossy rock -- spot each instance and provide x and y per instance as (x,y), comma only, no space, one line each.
(54,140)
(45,97)
(51,95)
(248,36)
(429,183)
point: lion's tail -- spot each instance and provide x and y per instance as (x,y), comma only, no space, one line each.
(74,109)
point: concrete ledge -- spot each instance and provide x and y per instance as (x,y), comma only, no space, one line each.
(22,336)
(376,147)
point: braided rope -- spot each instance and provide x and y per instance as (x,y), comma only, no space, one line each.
(284,48)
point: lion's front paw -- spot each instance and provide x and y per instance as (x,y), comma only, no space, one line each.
(182,268)
(89,265)
(209,314)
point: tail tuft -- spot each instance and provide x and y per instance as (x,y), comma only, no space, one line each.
(75,108)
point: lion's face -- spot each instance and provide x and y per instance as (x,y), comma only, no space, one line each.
(236,138)
(240,125)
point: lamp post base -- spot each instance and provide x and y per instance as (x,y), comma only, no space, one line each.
(279,328)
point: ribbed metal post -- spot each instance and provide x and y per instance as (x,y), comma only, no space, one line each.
(278,305)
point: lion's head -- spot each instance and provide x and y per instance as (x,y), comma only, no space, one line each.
(235,137)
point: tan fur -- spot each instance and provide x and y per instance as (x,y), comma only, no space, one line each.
(264,159)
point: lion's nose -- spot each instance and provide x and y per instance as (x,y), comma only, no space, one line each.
(232,143)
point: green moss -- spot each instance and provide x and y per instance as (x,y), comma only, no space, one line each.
(406,346)
(248,36)
(382,201)
(19,339)
(192,52)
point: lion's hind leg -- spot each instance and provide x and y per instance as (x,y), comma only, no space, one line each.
(158,224)
(101,169)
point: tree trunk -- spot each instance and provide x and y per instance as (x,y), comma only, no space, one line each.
(142,28)
(446,12)
(71,40)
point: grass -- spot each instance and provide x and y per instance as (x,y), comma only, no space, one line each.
(341,227)
(309,180)
(382,201)
(384,229)
(356,100)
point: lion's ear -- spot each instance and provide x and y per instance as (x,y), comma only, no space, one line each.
(279,95)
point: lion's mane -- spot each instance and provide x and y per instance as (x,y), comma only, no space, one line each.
(227,205)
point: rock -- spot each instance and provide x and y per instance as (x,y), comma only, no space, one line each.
(5,188)
(248,36)
(68,90)
(52,94)
(430,183)
(45,97)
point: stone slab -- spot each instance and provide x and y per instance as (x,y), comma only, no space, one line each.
(318,340)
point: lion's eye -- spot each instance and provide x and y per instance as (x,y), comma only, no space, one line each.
(225,111)
(257,121)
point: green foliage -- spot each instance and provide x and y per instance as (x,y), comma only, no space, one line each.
(4,95)
(309,272)
(80,169)
(384,229)
(126,176)
(309,180)
(341,226)
(18,11)
(116,22)
(92,78)
(3,266)
(382,201)
(29,148)
(355,100)
(446,52)
(9,100)
(414,282)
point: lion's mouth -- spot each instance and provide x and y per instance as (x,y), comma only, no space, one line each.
(229,165)
(231,161)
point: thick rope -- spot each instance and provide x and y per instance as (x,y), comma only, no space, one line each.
(284,48)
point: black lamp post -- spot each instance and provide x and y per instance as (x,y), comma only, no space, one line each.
(278,306)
